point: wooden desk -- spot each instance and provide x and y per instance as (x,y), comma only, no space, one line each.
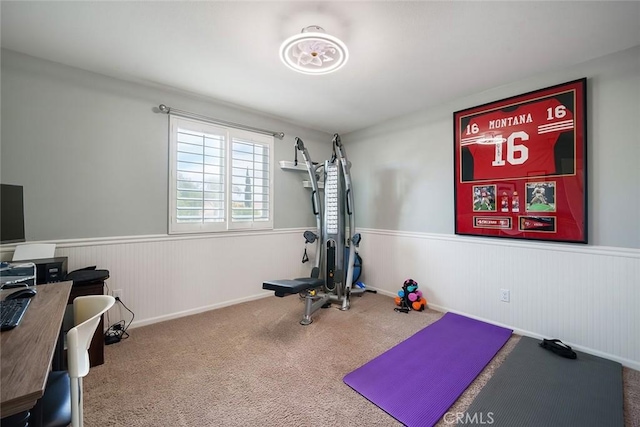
(27,350)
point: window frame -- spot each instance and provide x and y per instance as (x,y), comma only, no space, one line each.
(229,134)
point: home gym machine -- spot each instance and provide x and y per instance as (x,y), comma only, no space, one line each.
(328,282)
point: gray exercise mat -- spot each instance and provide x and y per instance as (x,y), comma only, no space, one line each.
(535,387)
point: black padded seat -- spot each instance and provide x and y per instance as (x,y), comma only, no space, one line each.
(54,408)
(286,287)
(56,402)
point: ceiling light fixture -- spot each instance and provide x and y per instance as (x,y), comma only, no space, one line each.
(314,52)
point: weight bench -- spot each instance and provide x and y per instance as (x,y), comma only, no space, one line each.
(313,301)
(285,287)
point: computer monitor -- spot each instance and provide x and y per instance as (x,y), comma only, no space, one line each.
(11,214)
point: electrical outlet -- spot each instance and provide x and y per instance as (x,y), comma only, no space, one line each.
(117,293)
(504,295)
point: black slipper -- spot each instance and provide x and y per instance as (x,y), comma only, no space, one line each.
(559,348)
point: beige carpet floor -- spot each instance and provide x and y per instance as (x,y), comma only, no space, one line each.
(252,364)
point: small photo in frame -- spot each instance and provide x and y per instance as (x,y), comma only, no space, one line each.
(541,196)
(484,198)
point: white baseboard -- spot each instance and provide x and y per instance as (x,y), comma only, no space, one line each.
(184,313)
(624,362)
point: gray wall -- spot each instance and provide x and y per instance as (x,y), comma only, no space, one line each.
(92,154)
(76,140)
(404,174)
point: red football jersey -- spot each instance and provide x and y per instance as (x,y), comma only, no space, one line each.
(517,143)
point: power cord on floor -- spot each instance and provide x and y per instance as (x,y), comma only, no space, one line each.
(118,331)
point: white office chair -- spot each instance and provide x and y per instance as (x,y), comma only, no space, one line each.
(55,402)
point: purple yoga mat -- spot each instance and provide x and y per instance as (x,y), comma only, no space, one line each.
(418,380)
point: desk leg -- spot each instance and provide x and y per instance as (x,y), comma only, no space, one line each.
(35,420)
(58,355)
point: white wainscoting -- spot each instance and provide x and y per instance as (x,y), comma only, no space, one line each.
(164,277)
(589,297)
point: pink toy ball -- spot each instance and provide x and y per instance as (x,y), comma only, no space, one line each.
(419,293)
(413,296)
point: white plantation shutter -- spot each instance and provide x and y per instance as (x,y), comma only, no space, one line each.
(221,178)
(250,181)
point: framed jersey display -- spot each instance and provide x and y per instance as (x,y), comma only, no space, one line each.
(520,166)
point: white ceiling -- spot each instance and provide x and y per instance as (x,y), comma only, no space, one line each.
(404,56)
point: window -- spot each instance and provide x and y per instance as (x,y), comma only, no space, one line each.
(220,178)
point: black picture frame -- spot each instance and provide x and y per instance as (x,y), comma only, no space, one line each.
(520,166)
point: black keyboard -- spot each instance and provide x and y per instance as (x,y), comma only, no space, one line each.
(12,311)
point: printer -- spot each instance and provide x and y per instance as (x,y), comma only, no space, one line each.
(33,272)
(17,274)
